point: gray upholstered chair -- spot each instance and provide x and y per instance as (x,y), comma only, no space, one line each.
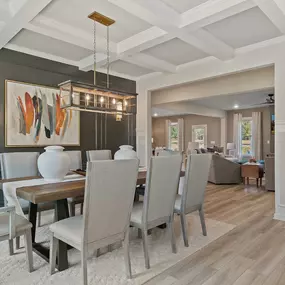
(192,198)
(12,226)
(159,198)
(102,154)
(76,163)
(75,159)
(109,195)
(22,164)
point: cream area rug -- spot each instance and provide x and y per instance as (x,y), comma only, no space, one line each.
(109,268)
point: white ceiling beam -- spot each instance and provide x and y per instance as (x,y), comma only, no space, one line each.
(24,15)
(87,63)
(159,14)
(151,62)
(213,11)
(40,54)
(275,11)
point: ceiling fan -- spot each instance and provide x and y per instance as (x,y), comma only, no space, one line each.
(269,101)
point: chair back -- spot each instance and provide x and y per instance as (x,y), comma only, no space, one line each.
(109,196)
(19,164)
(196,179)
(102,154)
(161,187)
(167,152)
(75,159)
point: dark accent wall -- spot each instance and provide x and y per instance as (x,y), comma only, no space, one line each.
(26,68)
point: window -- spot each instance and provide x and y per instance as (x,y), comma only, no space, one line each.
(246,136)
(199,134)
(173,136)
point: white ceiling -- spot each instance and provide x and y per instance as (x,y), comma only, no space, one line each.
(227,102)
(148,36)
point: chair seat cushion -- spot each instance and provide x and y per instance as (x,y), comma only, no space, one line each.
(136,216)
(177,206)
(69,230)
(22,224)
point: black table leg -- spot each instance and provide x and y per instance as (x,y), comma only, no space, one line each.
(61,212)
(33,209)
(61,209)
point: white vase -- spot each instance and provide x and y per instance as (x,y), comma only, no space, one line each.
(54,163)
(125,152)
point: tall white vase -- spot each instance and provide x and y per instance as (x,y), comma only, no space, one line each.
(54,163)
(125,152)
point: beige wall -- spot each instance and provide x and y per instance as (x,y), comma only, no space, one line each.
(213,128)
(266,126)
(248,81)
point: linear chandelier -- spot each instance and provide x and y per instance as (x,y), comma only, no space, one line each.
(93,98)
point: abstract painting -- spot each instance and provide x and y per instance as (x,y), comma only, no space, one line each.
(34,117)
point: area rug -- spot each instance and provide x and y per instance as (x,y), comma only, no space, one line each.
(109,268)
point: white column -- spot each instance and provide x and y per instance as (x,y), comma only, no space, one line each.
(144,128)
(280,139)
(224,133)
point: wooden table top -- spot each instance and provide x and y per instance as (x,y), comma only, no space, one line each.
(57,191)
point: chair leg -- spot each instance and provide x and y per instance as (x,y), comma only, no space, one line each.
(203,224)
(97,252)
(145,248)
(184,229)
(139,233)
(72,209)
(11,247)
(84,266)
(126,245)
(39,218)
(81,208)
(17,242)
(29,249)
(172,236)
(53,253)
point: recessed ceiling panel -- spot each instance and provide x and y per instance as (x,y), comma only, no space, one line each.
(181,6)
(249,27)
(49,45)
(128,68)
(176,52)
(75,13)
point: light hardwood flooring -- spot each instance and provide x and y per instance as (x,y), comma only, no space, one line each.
(253,253)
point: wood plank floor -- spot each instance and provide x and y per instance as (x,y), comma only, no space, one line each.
(253,253)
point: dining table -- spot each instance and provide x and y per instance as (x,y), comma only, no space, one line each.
(58,193)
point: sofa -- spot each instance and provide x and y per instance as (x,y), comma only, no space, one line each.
(224,171)
(269,165)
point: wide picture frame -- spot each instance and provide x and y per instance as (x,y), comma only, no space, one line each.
(33,117)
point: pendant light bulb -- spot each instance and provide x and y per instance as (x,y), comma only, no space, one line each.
(114,101)
(102,99)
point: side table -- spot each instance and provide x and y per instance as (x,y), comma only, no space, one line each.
(252,171)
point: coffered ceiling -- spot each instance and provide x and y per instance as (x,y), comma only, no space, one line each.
(149,36)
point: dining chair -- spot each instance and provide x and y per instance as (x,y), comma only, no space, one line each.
(13,225)
(109,194)
(192,198)
(102,154)
(159,198)
(22,164)
(76,163)
(75,159)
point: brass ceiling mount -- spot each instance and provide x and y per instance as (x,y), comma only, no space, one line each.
(102,19)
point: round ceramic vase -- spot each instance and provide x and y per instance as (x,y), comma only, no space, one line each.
(125,152)
(54,163)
